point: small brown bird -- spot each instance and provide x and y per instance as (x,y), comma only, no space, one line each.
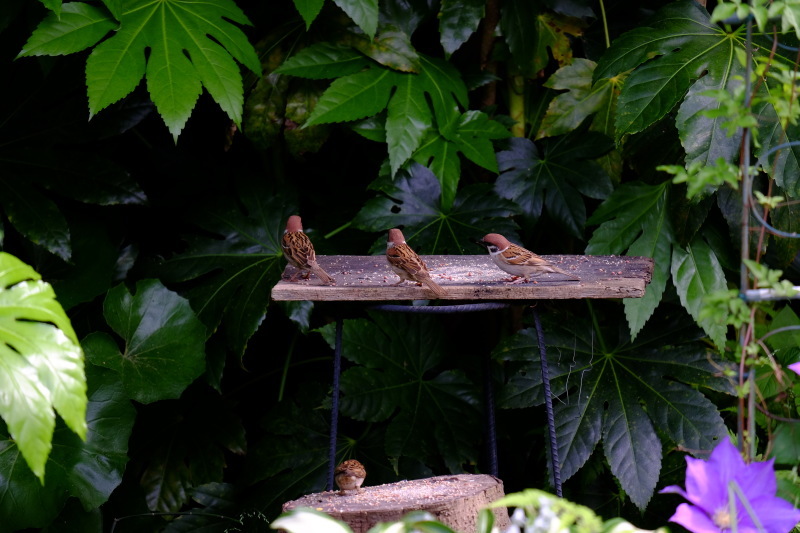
(299,251)
(407,264)
(518,261)
(349,475)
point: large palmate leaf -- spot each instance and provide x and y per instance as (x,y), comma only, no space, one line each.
(41,364)
(412,201)
(187,444)
(697,273)
(236,266)
(179,46)
(458,20)
(625,395)
(163,340)
(556,179)
(433,413)
(423,118)
(635,219)
(89,470)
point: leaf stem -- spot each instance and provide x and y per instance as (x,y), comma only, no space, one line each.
(596,326)
(337,230)
(605,23)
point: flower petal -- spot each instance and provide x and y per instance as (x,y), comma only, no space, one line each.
(705,487)
(775,514)
(693,519)
(795,367)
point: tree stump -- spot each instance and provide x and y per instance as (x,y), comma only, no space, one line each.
(453,500)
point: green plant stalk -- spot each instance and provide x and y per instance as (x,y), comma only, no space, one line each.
(605,23)
(516,105)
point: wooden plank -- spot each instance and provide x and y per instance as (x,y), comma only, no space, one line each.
(470,277)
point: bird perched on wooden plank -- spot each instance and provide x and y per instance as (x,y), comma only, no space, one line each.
(407,264)
(518,261)
(299,252)
(349,475)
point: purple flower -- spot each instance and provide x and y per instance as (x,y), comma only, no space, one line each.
(712,485)
(795,367)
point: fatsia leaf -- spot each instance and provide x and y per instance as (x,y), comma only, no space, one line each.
(323,60)
(355,96)
(556,179)
(412,201)
(458,20)
(308,9)
(42,364)
(191,45)
(697,273)
(409,118)
(687,45)
(234,265)
(186,448)
(635,220)
(402,376)
(35,216)
(391,47)
(363,12)
(581,99)
(163,341)
(621,395)
(78,27)
(89,470)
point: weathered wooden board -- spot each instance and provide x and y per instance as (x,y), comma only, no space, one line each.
(470,277)
(453,500)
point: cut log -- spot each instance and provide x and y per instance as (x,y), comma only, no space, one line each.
(453,500)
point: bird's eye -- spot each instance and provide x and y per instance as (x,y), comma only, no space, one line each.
(493,248)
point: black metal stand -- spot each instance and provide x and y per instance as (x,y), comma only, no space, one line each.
(491,438)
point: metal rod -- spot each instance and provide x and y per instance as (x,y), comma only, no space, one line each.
(337,370)
(491,425)
(548,404)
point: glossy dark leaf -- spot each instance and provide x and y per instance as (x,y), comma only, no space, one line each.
(399,375)
(235,266)
(163,341)
(412,201)
(556,179)
(89,470)
(601,394)
(363,12)
(308,9)
(457,22)
(391,47)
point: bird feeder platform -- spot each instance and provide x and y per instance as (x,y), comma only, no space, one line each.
(469,277)
(453,500)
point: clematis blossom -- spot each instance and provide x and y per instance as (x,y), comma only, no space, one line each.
(726,494)
(795,367)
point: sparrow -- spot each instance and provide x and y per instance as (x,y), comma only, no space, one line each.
(407,264)
(299,251)
(518,261)
(349,475)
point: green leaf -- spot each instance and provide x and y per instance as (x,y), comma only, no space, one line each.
(621,395)
(581,99)
(391,48)
(323,60)
(187,442)
(635,220)
(78,27)
(697,273)
(234,263)
(53,5)
(35,216)
(42,364)
(191,45)
(355,96)
(412,201)
(687,45)
(308,9)
(457,22)
(363,12)
(702,136)
(408,120)
(517,19)
(395,375)
(163,341)
(556,179)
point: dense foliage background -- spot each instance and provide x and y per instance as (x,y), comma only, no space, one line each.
(157,222)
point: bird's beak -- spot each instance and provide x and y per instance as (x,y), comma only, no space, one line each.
(479,242)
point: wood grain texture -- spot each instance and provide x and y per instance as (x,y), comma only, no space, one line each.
(454,500)
(470,277)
